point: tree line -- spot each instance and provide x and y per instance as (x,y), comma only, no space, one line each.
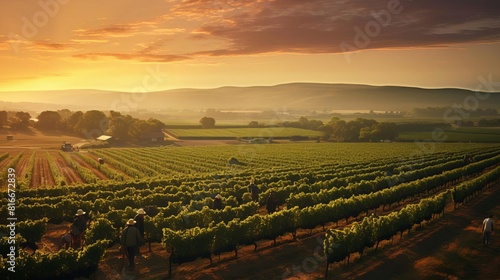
(360,129)
(89,124)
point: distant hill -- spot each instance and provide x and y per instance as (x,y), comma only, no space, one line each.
(293,96)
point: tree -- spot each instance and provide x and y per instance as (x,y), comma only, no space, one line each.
(360,129)
(119,125)
(69,123)
(48,120)
(207,122)
(138,128)
(20,121)
(327,131)
(388,131)
(4,118)
(64,113)
(339,129)
(93,124)
(253,124)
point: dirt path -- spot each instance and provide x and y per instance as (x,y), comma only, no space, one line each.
(83,163)
(96,158)
(69,173)
(22,164)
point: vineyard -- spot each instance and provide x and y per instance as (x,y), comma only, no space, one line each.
(376,191)
(232,133)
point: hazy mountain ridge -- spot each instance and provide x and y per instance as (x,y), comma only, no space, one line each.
(293,96)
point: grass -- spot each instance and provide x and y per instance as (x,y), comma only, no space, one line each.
(461,134)
(263,132)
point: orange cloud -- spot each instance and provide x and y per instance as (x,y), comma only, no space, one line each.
(133,57)
(325,26)
(119,30)
(51,46)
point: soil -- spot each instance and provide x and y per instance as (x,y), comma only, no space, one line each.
(96,158)
(94,170)
(70,175)
(35,139)
(22,164)
(42,175)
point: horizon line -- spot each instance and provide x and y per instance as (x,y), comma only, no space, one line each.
(249,86)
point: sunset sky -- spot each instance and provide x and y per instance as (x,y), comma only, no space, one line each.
(151,45)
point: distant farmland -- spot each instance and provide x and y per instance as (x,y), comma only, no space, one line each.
(231,133)
(462,134)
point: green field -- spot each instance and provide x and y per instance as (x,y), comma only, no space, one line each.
(462,134)
(259,132)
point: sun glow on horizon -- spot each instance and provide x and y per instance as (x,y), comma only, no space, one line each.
(239,44)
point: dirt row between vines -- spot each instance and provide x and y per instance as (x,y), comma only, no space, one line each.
(42,175)
(94,170)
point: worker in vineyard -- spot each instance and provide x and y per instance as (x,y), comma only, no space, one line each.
(254,190)
(468,159)
(271,203)
(139,219)
(488,227)
(218,203)
(78,228)
(130,240)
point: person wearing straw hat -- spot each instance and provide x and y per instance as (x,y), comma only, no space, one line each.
(139,219)
(130,239)
(78,228)
(218,203)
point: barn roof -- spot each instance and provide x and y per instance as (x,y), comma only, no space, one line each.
(104,137)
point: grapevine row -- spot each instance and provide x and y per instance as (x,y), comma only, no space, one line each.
(339,244)
(109,172)
(87,175)
(26,180)
(11,164)
(56,174)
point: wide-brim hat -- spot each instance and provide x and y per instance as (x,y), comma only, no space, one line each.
(80,212)
(131,222)
(141,211)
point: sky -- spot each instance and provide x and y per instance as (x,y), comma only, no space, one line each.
(153,45)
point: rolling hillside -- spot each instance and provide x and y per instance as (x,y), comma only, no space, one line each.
(294,96)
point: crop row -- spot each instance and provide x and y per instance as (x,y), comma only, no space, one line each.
(60,207)
(186,245)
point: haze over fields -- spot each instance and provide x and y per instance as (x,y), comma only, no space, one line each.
(298,96)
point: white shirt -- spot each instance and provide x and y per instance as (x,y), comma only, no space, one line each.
(488,224)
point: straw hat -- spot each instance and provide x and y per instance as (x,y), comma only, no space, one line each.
(218,196)
(141,211)
(80,212)
(131,222)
